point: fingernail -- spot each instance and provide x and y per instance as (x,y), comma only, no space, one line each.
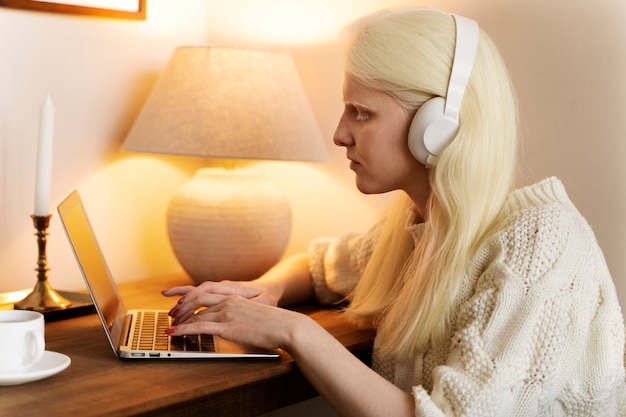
(174,311)
(181,299)
(171,330)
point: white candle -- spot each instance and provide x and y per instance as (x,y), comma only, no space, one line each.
(44,158)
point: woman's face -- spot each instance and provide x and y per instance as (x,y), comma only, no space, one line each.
(374,129)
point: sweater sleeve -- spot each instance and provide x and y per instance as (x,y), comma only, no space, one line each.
(337,263)
(542,334)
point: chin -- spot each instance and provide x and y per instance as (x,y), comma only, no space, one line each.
(368,189)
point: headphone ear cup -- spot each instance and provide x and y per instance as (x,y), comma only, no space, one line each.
(431,131)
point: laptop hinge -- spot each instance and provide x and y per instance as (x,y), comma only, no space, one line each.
(125,336)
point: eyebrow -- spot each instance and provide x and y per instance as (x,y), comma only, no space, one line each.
(356,104)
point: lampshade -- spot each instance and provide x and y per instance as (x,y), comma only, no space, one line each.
(231,103)
(228,103)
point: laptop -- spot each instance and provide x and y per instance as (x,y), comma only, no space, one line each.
(136,334)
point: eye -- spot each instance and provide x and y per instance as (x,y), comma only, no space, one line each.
(358,114)
(362,116)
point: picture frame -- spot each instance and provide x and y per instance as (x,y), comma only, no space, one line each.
(120,9)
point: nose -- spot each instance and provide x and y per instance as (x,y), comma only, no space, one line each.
(342,135)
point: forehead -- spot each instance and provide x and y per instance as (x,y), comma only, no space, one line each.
(355,92)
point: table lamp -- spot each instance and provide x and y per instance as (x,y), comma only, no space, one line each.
(229,103)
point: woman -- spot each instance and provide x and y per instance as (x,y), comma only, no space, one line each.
(487,301)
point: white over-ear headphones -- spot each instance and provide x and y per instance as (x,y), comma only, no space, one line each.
(436,122)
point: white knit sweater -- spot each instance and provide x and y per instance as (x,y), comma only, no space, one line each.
(537,329)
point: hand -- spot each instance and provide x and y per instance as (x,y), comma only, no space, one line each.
(236,318)
(247,289)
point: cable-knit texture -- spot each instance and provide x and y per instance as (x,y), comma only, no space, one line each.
(536,330)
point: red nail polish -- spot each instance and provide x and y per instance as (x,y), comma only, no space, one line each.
(170,330)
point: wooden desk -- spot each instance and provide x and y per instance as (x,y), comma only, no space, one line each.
(97,383)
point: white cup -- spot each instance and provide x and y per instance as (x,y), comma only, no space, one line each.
(22,340)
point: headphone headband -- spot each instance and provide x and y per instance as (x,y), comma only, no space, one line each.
(437,121)
(464,56)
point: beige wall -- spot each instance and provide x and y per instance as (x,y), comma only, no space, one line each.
(567,59)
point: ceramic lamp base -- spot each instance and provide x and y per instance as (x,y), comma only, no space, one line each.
(228,224)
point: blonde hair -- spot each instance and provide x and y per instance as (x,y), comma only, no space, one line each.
(410,291)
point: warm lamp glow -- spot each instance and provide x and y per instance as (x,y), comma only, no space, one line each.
(289,22)
(236,104)
(282,21)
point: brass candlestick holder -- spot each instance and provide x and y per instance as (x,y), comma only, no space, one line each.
(43,297)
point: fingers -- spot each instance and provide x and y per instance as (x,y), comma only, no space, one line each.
(189,305)
(177,291)
(205,321)
(199,327)
(244,289)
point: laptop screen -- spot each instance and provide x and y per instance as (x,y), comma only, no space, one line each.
(93,267)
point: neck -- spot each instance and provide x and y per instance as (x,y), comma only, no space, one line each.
(420,198)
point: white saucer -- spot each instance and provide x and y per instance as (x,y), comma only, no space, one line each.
(50,363)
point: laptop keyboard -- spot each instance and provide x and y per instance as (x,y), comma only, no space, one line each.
(149,334)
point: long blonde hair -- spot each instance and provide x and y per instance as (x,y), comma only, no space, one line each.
(410,291)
